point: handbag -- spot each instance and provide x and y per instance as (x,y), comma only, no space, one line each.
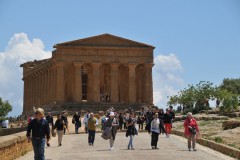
(192,130)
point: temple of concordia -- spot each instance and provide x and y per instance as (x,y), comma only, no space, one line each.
(93,73)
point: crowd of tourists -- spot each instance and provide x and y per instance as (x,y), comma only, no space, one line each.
(41,127)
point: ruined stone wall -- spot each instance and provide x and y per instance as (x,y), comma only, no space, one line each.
(14,146)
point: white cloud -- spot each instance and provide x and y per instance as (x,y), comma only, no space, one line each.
(166,78)
(19,50)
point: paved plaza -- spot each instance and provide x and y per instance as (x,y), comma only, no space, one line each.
(75,147)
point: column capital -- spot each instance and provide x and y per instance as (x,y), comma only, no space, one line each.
(149,65)
(96,64)
(132,65)
(78,64)
(114,65)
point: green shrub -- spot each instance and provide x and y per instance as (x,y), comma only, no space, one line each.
(218,139)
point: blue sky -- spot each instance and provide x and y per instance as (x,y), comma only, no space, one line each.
(202,37)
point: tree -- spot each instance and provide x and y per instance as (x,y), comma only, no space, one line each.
(196,98)
(5,108)
(231,85)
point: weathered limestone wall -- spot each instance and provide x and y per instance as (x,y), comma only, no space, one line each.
(232,152)
(8,131)
(14,146)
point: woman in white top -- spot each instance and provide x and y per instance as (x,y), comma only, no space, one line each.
(155,130)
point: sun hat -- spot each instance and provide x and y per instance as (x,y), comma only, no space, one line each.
(112,114)
(39,110)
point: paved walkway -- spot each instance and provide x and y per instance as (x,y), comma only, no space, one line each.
(75,147)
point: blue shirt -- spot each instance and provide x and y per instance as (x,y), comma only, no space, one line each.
(39,129)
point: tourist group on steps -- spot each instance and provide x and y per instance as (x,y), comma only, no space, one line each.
(41,128)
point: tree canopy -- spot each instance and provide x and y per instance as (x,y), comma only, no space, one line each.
(195,98)
(231,85)
(5,108)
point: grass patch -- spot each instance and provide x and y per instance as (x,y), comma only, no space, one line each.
(218,139)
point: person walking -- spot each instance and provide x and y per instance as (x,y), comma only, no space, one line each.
(160,116)
(39,128)
(113,123)
(155,131)
(85,121)
(77,121)
(49,118)
(172,113)
(59,125)
(65,121)
(167,118)
(125,119)
(131,130)
(92,124)
(120,119)
(191,130)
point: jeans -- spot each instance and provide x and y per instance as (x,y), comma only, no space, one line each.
(140,126)
(86,127)
(130,144)
(162,129)
(91,136)
(38,148)
(77,125)
(154,139)
(111,142)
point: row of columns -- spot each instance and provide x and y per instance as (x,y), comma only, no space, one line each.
(39,88)
(48,85)
(95,82)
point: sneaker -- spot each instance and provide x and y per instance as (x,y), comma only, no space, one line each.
(111,149)
(189,149)
(128,147)
(132,148)
(156,148)
(153,147)
(194,149)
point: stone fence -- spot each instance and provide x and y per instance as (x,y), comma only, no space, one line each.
(8,131)
(13,146)
(232,152)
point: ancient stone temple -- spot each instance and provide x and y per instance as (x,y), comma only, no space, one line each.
(93,73)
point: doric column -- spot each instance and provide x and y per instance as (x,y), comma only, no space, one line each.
(114,82)
(132,82)
(60,79)
(28,93)
(31,93)
(25,96)
(49,85)
(42,89)
(45,86)
(149,86)
(77,96)
(37,89)
(96,82)
(52,85)
(34,90)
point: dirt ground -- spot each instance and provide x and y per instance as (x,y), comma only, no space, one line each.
(213,130)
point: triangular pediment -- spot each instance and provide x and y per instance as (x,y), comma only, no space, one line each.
(104,40)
